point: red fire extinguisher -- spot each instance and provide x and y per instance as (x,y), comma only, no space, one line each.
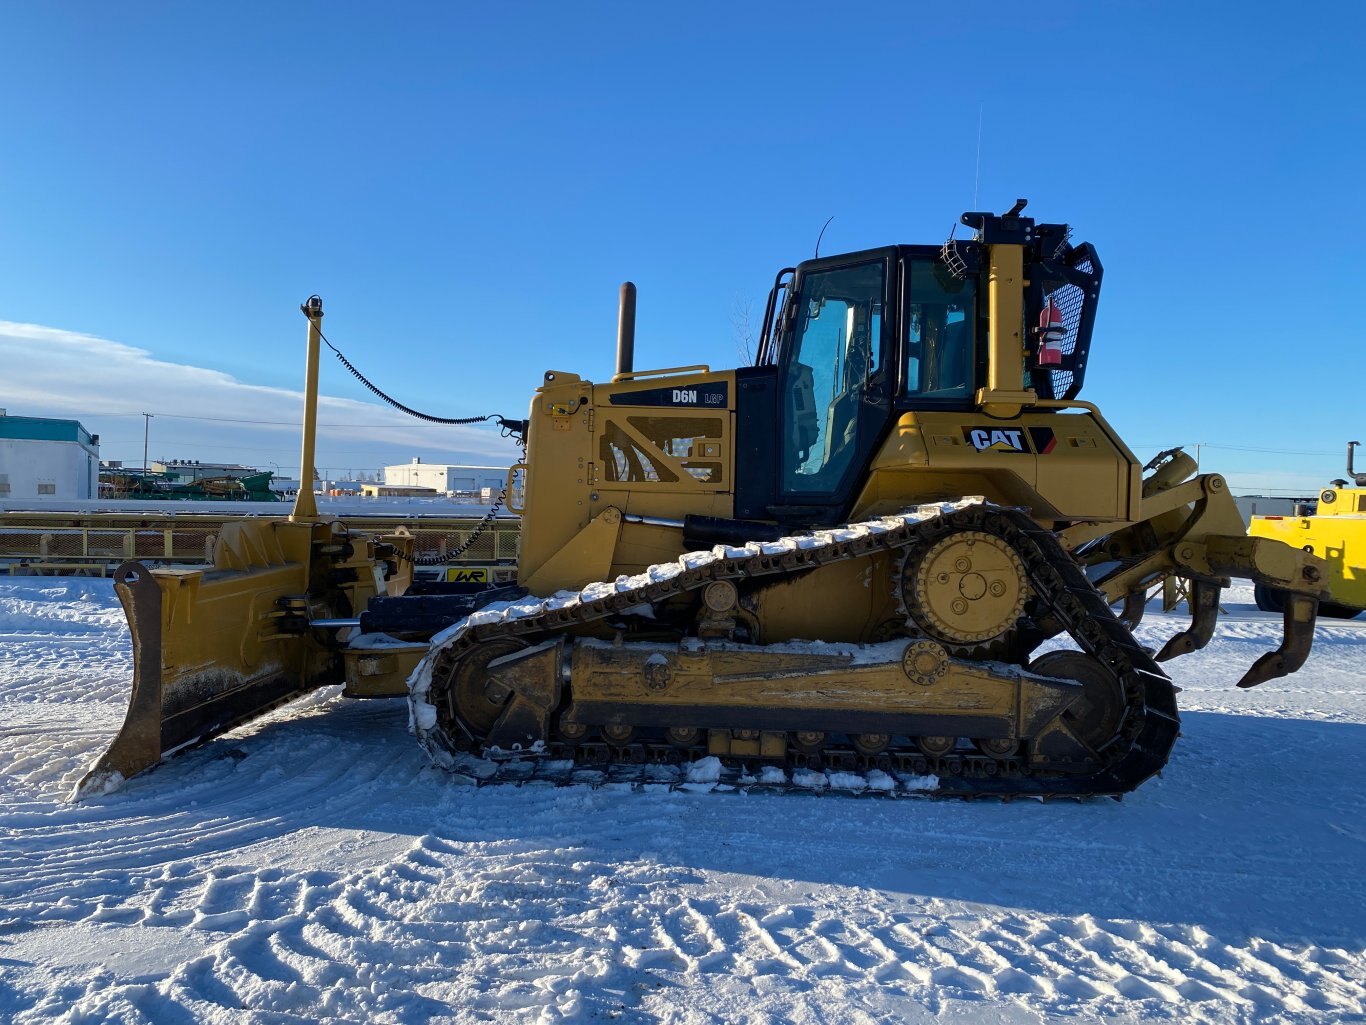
(1052,333)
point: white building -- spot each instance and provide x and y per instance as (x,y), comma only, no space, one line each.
(47,459)
(447,478)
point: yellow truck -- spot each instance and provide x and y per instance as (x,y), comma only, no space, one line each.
(1335,533)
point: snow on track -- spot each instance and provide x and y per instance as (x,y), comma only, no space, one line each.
(314,867)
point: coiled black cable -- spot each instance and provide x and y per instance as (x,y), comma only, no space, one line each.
(510,428)
(515,429)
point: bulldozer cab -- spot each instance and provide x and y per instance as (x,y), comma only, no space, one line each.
(847,357)
(856,341)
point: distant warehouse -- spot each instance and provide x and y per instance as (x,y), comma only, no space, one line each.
(396,491)
(446,478)
(42,458)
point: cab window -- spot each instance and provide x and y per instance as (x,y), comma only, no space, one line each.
(941,319)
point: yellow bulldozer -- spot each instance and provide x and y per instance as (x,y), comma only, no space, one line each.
(1336,531)
(842,558)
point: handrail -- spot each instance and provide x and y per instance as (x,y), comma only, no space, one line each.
(634,375)
(512,502)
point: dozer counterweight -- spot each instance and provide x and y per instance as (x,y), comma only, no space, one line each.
(843,557)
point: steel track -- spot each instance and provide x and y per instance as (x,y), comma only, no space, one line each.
(1139,747)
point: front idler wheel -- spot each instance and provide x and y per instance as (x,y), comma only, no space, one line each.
(464,702)
(1093,720)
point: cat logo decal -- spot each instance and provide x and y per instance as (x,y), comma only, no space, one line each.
(996,439)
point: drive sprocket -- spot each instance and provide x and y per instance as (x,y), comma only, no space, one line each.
(966,590)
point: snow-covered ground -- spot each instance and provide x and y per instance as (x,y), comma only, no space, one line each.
(313,867)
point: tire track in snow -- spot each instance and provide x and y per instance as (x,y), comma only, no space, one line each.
(326,874)
(545,928)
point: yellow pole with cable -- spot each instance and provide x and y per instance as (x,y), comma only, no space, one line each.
(305,508)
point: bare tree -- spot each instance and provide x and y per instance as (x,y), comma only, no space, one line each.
(742,321)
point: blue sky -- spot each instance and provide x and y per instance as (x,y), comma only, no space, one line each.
(468,186)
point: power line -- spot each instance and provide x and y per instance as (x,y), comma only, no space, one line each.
(1272,451)
(266,423)
(1243,448)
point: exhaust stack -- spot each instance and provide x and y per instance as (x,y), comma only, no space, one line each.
(1357,478)
(626,330)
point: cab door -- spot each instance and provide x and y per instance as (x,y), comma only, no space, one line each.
(833,383)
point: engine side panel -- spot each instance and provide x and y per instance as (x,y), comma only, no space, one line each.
(659,446)
(1063,466)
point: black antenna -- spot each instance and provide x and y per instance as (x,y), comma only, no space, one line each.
(981,107)
(822,234)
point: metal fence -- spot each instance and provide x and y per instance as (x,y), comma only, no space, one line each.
(80,543)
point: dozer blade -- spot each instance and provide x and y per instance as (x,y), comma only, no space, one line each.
(211,650)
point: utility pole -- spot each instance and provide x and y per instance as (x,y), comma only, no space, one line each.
(146,426)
